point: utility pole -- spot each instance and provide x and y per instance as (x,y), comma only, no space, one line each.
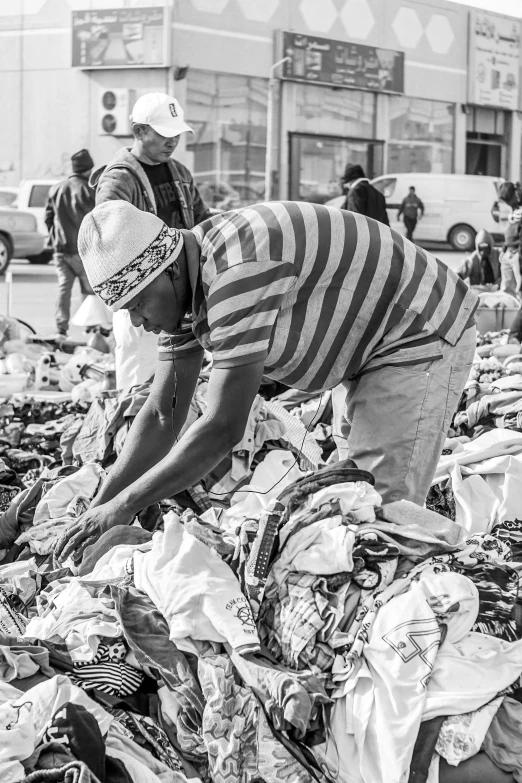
(272,81)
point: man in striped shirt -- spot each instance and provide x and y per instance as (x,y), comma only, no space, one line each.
(311,296)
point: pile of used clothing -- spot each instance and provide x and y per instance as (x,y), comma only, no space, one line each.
(313,636)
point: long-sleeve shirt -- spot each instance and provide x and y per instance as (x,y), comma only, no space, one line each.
(411,206)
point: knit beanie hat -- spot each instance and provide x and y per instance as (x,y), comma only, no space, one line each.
(81,161)
(124,249)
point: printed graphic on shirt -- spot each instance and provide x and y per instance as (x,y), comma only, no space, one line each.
(240,608)
(162,185)
(416,638)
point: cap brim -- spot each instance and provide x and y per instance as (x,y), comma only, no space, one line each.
(171,129)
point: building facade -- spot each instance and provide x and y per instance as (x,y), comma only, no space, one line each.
(396,85)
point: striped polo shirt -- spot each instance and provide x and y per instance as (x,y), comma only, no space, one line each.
(319,294)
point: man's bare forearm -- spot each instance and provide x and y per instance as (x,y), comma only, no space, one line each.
(200,449)
(155,428)
(148,442)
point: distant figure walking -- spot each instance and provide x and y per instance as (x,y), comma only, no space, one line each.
(68,203)
(412,209)
(361,196)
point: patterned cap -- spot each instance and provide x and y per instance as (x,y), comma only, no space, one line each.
(123,249)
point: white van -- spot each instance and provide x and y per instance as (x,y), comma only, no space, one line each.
(456,206)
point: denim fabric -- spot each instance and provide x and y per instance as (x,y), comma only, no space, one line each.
(147,634)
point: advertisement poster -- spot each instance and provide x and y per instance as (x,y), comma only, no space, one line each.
(494,61)
(342,64)
(119,38)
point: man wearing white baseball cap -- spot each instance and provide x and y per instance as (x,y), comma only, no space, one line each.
(149,178)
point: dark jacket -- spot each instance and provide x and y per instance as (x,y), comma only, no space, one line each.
(68,203)
(472,271)
(410,207)
(124,178)
(366,200)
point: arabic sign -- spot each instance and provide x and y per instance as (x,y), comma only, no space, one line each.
(494,61)
(342,64)
(120,38)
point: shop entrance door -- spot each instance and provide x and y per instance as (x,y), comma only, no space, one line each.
(484,157)
(317,164)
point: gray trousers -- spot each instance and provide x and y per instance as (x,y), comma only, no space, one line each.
(393,421)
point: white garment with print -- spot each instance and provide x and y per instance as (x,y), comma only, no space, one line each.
(461,736)
(73,615)
(470,672)
(25,718)
(194,589)
(384,698)
(324,547)
(63,502)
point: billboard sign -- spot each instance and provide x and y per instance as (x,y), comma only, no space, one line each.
(120,38)
(341,64)
(494,77)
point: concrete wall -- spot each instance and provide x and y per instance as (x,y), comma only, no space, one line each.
(50,110)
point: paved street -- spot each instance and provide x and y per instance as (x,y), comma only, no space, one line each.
(34,296)
(34,292)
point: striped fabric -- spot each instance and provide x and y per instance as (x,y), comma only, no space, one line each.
(318,294)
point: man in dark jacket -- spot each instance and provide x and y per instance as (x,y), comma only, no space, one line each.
(149,178)
(361,196)
(67,205)
(483,266)
(413,209)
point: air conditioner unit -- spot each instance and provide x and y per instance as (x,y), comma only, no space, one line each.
(115,106)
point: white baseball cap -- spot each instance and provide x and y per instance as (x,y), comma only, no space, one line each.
(162,112)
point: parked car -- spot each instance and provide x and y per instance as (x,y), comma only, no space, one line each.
(8,196)
(457,206)
(32,197)
(19,236)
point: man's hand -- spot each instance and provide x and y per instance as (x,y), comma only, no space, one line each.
(88,528)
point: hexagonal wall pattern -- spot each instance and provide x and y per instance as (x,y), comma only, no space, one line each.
(16,8)
(319,16)
(258,10)
(439,33)
(407,27)
(357,18)
(210,6)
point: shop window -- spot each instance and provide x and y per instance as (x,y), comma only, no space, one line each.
(421,136)
(228,114)
(335,111)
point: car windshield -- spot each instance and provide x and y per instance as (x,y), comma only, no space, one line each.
(38,197)
(7,198)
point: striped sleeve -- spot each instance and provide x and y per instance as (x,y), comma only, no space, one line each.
(243,304)
(178,345)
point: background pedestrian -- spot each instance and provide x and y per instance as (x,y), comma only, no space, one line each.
(412,209)
(67,205)
(361,196)
(149,178)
